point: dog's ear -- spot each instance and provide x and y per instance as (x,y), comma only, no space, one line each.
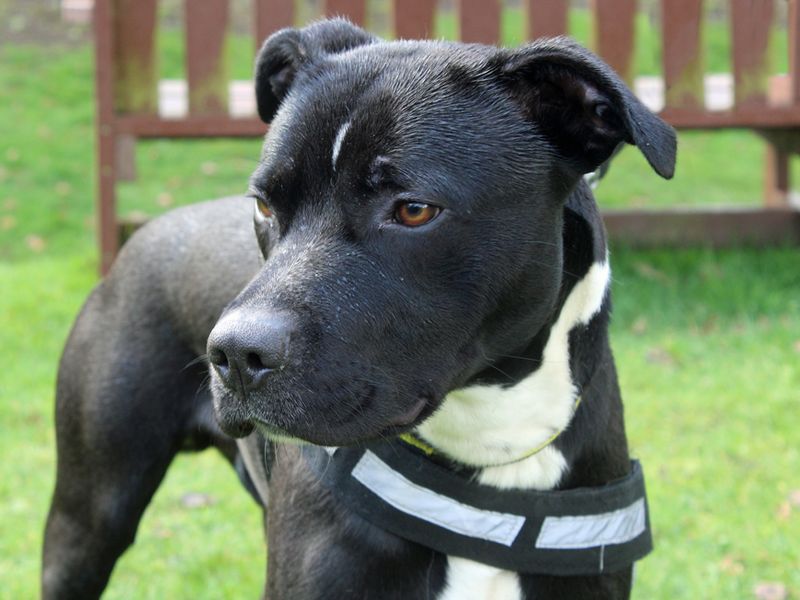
(286,51)
(583,107)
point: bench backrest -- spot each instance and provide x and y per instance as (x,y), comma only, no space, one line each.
(127,76)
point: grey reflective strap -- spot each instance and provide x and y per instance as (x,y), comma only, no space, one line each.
(587,531)
(252,450)
(412,499)
(583,531)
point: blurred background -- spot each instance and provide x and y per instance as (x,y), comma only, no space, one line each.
(706,325)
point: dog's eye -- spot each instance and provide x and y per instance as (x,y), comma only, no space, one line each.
(263,211)
(414,214)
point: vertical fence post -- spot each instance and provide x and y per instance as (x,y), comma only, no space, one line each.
(547,18)
(479,21)
(355,10)
(104,91)
(413,19)
(681,26)
(206,71)
(270,16)
(614,30)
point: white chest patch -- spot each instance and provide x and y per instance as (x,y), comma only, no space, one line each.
(470,580)
(489,424)
(337,143)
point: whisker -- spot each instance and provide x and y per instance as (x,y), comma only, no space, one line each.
(203,358)
(526,358)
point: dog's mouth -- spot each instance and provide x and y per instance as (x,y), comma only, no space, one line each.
(361,426)
(409,417)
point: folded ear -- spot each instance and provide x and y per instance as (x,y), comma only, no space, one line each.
(286,51)
(583,107)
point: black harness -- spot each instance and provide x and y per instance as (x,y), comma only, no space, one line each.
(583,531)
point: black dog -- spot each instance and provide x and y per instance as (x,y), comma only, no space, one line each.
(431,261)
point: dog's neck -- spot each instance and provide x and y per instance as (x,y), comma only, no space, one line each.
(496,427)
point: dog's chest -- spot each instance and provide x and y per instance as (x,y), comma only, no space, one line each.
(468,579)
(521,415)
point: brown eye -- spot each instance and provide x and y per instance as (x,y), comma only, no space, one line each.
(264,211)
(414,214)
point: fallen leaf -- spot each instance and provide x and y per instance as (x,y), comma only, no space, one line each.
(797,346)
(660,356)
(163,533)
(208,168)
(709,325)
(35,243)
(770,590)
(710,271)
(164,199)
(784,511)
(63,188)
(8,222)
(731,565)
(639,326)
(648,271)
(794,498)
(197,500)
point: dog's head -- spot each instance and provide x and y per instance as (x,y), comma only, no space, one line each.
(409,205)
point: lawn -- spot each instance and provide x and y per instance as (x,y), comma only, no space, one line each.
(708,346)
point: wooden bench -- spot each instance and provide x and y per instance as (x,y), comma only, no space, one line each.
(127,90)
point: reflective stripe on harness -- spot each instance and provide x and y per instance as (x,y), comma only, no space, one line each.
(583,531)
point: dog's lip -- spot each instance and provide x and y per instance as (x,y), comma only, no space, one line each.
(408,416)
(396,425)
(275,433)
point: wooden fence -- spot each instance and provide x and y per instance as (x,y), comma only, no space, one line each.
(128,98)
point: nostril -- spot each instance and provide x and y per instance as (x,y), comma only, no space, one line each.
(218,358)
(256,364)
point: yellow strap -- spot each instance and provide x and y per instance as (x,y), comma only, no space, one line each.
(412,440)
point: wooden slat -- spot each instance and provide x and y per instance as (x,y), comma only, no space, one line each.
(206,26)
(355,10)
(270,16)
(191,127)
(776,176)
(746,118)
(750,25)
(793,31)
(133,40)
(479,21)
(104,93)
(413,19)
(125,157)
(614,32)
(223,126)
(720,227)
(547,18)
(681,22)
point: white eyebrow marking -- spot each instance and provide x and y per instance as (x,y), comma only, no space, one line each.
(337,143)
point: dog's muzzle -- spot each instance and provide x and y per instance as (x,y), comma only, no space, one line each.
(245,347)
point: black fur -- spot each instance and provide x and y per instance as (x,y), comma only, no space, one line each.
(357,326)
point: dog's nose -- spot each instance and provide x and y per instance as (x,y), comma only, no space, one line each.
(245,347)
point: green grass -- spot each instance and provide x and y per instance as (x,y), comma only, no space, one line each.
(708,346)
